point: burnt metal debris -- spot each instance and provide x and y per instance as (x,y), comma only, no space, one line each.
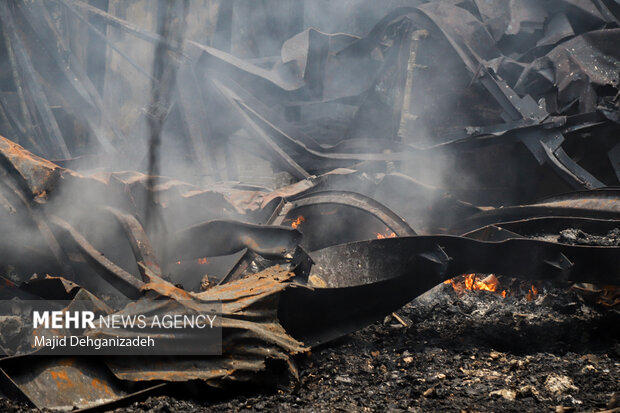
(467,136)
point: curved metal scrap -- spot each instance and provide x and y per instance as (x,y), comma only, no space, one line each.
(542,228)
(64,383)
(123,281)
(140,243)
(350,199)
(380,276)
(601,204)
(216,238)
(251,332)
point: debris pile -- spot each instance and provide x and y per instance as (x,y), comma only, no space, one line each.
(455,137)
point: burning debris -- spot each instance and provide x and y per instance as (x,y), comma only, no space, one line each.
(457,142)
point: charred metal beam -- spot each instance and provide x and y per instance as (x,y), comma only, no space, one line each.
(86,383)
(599,204)
(542,228)
(399,269)
(546,147)
(139,241)
(120,279)
(352,199)
(216,238)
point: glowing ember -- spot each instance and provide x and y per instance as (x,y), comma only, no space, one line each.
(178,262)
(202,261)
(386,234)
(471,282)
(532,293)
(298,221)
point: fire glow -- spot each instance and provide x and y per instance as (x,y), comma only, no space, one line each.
(471,282)
(297,222)
(386,234)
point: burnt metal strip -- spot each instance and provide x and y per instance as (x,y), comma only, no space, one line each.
(123,281)
(83,382)
(352,199)
(598,204)
(542,226)
(367,280)
(215,238)
(349,199)
(139,241)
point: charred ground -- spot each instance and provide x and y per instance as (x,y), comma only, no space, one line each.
(459,353)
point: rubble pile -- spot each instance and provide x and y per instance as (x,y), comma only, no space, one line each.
(311,192)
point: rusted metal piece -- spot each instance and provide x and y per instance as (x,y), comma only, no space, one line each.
(251,332)
(65,383)
(27,179)
(305,211)
(9,290)
(285,310)
(37,173)
(346,216)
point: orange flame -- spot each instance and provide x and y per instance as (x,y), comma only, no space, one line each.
(386,234)
(471,282)
(202,261)
(298,221)
(532,293)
